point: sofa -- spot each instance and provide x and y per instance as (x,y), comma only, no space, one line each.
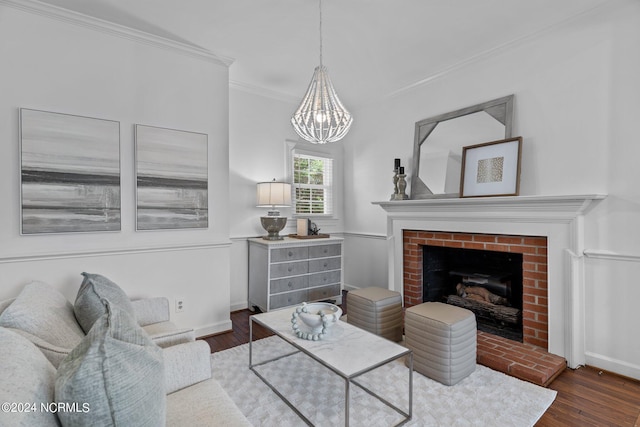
(104,361)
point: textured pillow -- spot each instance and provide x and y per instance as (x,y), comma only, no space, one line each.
(42,311)
(117,371)
(95,288)
(26,377)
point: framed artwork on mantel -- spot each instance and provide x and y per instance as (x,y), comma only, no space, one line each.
(491,168)
(172,177)
(69,173)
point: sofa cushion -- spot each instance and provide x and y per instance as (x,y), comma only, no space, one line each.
(26,377)
(43,312)
(204,404)
(88,306)
(118,371)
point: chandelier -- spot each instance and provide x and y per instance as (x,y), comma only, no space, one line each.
(321,117)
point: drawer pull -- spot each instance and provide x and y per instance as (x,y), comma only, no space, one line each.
(290,285)
(326,264)
(290,254)
(289,268)
(326,250)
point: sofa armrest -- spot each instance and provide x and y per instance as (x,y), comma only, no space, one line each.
(186,364)
(151,310)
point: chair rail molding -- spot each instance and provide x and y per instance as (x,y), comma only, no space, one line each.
(114,251)
(611,255)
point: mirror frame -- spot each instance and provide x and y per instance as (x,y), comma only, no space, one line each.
(500,109)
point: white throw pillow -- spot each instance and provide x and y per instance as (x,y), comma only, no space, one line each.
(42,311)
(26,379)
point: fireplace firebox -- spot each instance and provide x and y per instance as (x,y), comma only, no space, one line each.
(489,283)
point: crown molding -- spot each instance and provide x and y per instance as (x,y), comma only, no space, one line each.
(261,91)
(496,50)
(106,27)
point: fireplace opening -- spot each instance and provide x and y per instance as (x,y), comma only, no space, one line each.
(489,283)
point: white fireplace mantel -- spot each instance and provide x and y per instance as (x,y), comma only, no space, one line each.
(513,207)
(559,218)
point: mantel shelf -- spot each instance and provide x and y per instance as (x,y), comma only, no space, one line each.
(564,205)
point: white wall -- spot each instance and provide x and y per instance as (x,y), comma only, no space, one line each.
(66,63)
(260,135)
(576,92)
(258,129)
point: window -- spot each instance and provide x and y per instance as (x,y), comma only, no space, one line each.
(312,184)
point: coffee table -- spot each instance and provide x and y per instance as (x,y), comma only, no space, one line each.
(346,350)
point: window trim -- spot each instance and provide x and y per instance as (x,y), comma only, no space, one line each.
(298,147)
(327,187)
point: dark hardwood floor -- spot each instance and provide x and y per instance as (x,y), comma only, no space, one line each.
(586,396)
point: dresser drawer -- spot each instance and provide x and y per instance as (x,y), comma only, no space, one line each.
(290,298)
(328,278)
(289,254)
(286,269)
(324,264)
(289,284)
(324,292)
(324,251)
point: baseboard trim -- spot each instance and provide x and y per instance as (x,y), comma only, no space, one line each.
(239,306)
(610,364)
(214,329)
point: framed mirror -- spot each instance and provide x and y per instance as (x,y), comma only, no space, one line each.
(438,142)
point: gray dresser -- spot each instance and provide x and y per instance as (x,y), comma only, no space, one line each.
(291,271)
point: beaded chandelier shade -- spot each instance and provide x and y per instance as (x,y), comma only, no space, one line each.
(321,117)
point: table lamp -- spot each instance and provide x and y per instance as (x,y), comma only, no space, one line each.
(272,195)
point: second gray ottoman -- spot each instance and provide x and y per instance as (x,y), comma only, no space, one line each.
(443,339)
(376,310)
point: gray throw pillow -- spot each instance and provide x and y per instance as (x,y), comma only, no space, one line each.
(88,306)
(26,378)
(117,372)
(45,313)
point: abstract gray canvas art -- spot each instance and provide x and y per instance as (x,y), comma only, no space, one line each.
(70,173)
(172,179)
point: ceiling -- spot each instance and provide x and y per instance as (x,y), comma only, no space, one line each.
(371,47)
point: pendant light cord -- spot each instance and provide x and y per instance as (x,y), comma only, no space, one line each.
(320,7)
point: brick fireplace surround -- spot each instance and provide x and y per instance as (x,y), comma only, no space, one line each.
(529,361)
(547,230)
(534,272)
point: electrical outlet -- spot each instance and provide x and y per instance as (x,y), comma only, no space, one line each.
(179,305)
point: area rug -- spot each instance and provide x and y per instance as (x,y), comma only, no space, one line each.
(485,398)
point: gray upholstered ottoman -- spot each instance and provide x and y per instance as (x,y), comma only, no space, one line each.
(376,310)
(443,339)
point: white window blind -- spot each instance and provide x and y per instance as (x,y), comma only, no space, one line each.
(312,184)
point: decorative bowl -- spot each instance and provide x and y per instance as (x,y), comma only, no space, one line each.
(311,315)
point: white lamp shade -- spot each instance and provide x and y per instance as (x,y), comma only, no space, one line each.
(273,194)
